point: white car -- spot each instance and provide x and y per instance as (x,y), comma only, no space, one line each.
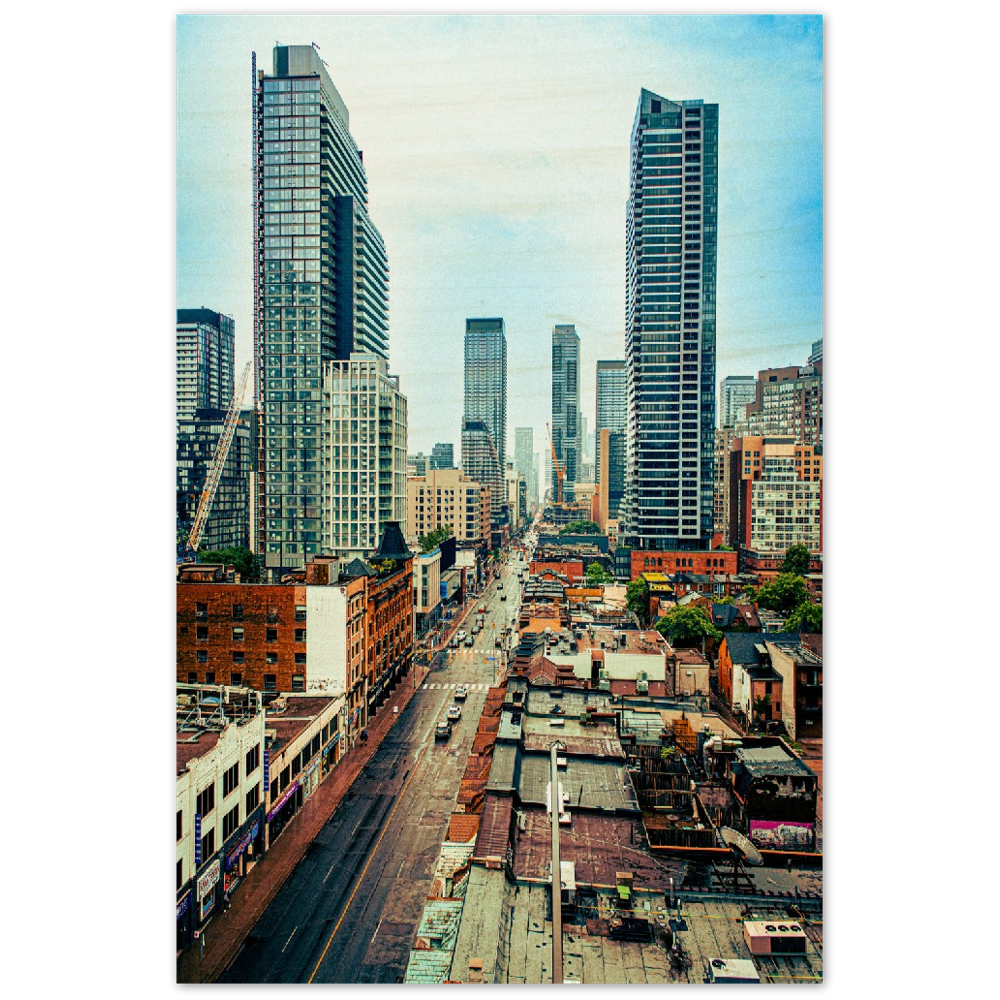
(461,634)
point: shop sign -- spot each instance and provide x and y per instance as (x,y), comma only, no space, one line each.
(206,906)
(197,841)
(184,905)
(244,843)
(311,771)
(209,878)
(293,788)
(335,740)
(267,767)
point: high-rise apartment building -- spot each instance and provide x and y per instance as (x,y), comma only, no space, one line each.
(448,497)
(566,405)
(484,424)
(612,417)
(320,295)
(735,391)
(443,456)
(364,437)
(816,355)
(789,401)
(206,345)
(670,324)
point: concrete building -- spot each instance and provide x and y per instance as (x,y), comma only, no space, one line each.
(515,497)
(206,346)
(364,424)
(735,391)
(442,456)
(198,436)
(611,417)
(524,458)
(220,789)
(417,465)
(776,500)
(321,292)
(426,590)
(670,324)
(789,401)
(484,423)
(566,405)
(801,672)
(449,497)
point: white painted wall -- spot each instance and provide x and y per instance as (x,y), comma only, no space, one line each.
(326,639)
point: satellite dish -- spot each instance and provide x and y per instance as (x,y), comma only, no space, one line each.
(741,846)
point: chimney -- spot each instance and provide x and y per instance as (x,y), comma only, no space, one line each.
(475,970)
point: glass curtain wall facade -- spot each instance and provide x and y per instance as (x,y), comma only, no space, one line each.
(612,416)
(206,346)
(735,391)
(670,324)
(321,288)
(524,447)
(566,406)
(486,405)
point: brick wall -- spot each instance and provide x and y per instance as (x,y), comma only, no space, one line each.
(710,562)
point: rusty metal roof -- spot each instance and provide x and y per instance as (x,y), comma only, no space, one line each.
(462,828)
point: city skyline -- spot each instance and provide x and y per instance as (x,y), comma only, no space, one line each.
(535,231)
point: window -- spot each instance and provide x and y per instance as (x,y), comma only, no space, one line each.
(192,677)
(209,676)
(298,683)
(237,635)
(206,800)
(252,761)
(180,823)
(270,680)
(200,610)
(230,822)
(236,678)
(285,778)
(271,635)
(207,846)
(274,789)
(300,613)
(300,659)
(202,633)
(253,799)
(272,612)
(202,657)
(230,779)
(300,635)
(239,657)
(237,612)
(296,766)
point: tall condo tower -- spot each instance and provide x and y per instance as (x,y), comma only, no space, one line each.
(611,416)
(566,405)
(484,425)
(321,294)
(670,324)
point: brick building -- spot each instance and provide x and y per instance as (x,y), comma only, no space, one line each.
(711,562)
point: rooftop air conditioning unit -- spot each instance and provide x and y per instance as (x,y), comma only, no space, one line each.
(642,686)
(733,970)
(774,937)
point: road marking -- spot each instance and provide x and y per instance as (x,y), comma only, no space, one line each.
(375,935)
(364,870)
(290,936)
(327,875)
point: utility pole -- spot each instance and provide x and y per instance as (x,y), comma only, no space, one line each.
(556,802)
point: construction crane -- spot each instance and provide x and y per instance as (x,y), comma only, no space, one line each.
(214,475)
(560,471)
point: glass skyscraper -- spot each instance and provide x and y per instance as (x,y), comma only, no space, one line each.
(566,406)
(611,416)
(484,424)
(670,324)
(321,289)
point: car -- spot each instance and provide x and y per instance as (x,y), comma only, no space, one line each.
(454,642)
(454,713)
(461,634)
(469,641)
(482,609)
(443,730)
(499,586)
(503,597)
(461,692)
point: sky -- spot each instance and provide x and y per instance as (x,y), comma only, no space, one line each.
(497,156)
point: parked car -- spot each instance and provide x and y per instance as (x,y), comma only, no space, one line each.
(443,730)
(503,597)
(469,641)
(454,713)
(454,642)
(461,692)
(482,609)
(461,634)
(499,586)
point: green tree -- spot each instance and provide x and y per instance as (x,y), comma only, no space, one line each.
(434,538)
(797,560)
(785,592)
(725,600)
(806,617)
(687,624)
(581,528)
(597,574)
(637,600)
(760,705)
(242,558)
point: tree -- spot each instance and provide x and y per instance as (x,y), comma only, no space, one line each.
(581,528)
(242,558)
(797,560)
(785,592)
(434,538)
(806,617)
(637,600)
(597,574)
(760,705)
(687,624)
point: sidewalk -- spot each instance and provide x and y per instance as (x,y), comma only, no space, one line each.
(225,933)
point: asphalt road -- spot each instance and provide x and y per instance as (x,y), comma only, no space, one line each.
(349,911)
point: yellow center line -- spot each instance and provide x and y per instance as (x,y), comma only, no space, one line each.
(361,877)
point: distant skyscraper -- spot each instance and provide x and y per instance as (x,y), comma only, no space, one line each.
(486,408)
(670,324)
(321,294)
(611,416)
(735,391)
(443,456)
(566,404)
(524,446)
(206,344)
(816,357)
